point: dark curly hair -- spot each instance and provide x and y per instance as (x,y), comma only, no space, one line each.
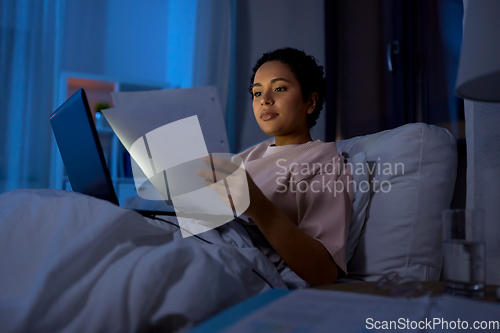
(310,75)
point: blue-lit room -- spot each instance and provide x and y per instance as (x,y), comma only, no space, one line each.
(249,165)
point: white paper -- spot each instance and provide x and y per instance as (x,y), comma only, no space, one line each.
(167,132)
(176,143)
(149,110)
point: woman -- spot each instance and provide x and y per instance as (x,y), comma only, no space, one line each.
(300,197)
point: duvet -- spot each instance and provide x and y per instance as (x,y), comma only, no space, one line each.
(73,263)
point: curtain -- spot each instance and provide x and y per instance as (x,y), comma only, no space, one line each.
(451,111)
(27,56)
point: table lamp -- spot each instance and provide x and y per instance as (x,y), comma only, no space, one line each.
(479,69)
(478,79)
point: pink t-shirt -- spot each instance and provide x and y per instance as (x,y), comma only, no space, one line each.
(310,184)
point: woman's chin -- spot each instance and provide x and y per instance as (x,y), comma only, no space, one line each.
(269,130)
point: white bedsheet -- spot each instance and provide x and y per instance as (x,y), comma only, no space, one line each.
(72,263)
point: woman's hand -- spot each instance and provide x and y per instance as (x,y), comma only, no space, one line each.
(305,255)
(244,196)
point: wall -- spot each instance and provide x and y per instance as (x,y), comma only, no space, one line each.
(122,39)
(181,39)
(264,26)
(83,36)
(136,39)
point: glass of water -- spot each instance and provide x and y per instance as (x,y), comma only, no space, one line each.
(464,252)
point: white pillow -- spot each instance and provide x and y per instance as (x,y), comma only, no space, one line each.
(402,231)
(361,198)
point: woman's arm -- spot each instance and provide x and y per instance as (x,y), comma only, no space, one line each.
(306,256)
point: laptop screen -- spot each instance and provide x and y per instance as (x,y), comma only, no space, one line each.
(81,150)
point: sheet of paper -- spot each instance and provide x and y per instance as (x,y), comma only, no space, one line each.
(149,110)
(314,310)
(166,133)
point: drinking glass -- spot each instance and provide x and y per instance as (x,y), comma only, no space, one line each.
(464,252)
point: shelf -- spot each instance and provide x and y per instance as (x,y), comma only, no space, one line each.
(97,91)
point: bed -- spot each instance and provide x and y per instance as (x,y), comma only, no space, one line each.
(75,263)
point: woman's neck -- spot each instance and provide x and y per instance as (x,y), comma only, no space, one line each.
(292,140)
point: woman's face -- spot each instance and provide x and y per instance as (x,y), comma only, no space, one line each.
(278,104)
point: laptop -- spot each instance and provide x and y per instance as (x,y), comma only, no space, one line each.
(81,151)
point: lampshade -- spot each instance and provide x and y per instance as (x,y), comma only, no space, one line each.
(479,68)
